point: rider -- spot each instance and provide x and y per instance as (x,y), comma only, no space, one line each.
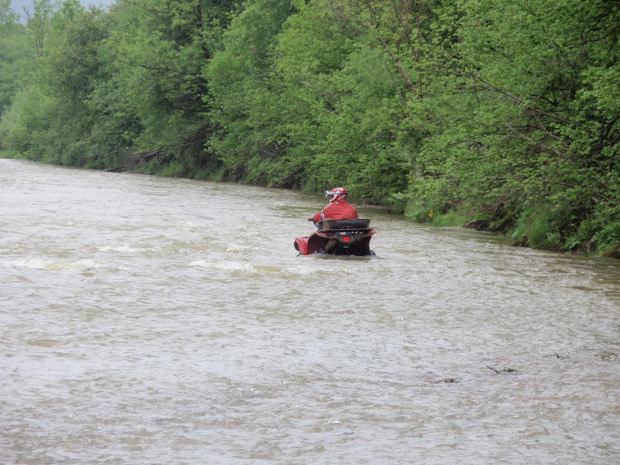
(338,208)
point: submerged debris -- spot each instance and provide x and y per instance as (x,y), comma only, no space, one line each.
(505,370)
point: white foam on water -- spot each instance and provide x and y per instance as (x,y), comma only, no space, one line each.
(224,265)
(243,249)
(312,270)
(52,265)
(235,248)
(128,249)
(295,271)
(189,226)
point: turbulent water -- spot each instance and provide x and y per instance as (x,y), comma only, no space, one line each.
(146,320)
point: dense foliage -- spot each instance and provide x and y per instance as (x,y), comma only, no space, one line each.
(501,115)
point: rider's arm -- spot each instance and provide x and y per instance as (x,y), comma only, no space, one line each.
(318,216)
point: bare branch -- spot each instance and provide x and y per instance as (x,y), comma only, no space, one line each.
(522,101)
(398,64)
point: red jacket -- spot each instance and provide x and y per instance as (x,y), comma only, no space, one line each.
(336,211)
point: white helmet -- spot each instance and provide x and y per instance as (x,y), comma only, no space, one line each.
(337,194)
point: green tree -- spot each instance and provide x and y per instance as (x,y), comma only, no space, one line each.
(326,103)
(7,16)
(252,140)
(161,49)
(39,24)
(363,79)
(56,121)
(13,54)
(529,143)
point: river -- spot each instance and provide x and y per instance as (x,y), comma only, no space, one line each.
(148,320)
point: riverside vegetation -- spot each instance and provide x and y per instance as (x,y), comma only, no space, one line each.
(501,115)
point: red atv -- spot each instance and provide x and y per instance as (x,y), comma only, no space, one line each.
(338,237)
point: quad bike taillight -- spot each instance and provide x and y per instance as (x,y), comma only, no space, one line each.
(347,238)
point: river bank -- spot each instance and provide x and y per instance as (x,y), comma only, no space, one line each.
(414,210)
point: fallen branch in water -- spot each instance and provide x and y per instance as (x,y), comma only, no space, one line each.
(556,355)
(505,370)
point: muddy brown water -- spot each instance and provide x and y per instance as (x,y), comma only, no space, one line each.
(146,320)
